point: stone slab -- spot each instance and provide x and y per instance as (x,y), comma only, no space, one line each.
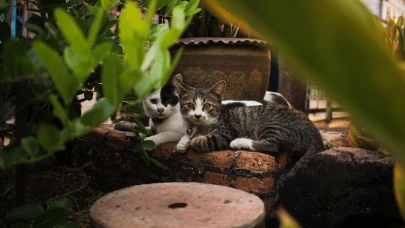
(178,205)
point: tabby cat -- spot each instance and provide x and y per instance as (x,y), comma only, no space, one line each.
(270,128)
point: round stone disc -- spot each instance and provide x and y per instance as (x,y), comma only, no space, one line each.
(178,205)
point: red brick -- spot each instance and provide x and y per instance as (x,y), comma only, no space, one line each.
(116,139)
(256,161)
(164,150)
(248,184)
(220,159)
(95,135)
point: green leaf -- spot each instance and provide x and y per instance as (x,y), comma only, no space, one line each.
(157,163)
(110,78)
(286,221)
(160,67)
(64,203)
(59,111)
(342,54)
(148,145)
(108,4)
(170,7)
(144,86)
(178,21)
(143,3)
(16,62)
(30,146)
(141,129)
(77,128)
(399,187)
(160,4)
(175,61)
(128,79)
(156,30)
(191,6)
(83,65)
(133,108)
(28,211)
(65,83)
(182,4)
(351,135)
(71,32)
(167,39)
(49,138)
(4,7)
(100,52)
(98,114)
(49,218)
(35,24)
(400,21)
(192,12)
(95,27)
(132,34)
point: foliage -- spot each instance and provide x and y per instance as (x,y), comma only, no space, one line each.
(131,111)
(395,34)
(360,137)
(286,221)
(75,58)
(399,187)
(38,217)
(78,49)
(342,47)
(204,24)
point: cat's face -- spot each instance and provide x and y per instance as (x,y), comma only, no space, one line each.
(200,106)
(161,103)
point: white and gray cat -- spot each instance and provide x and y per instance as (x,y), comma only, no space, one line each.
(165,120)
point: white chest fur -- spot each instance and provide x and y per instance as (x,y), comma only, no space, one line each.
(172,123)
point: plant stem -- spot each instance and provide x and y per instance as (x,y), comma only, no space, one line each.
(21,119)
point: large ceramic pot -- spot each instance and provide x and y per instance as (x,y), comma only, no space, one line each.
(243,63)
(292,85)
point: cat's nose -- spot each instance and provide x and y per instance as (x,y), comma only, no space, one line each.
(160,110)
(197,116)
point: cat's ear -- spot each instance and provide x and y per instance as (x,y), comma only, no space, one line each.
(219,89)
(180,86)
(179,77)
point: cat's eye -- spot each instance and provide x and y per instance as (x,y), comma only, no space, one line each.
(169,101)
(206,106)
(153,101)
(190,105)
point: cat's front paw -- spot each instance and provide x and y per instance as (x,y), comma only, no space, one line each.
(142,136)
(241,143)
(200,143)
(182,146)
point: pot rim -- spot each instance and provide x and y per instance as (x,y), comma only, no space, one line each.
(199,41)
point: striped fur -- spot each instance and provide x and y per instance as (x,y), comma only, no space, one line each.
(270,128)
